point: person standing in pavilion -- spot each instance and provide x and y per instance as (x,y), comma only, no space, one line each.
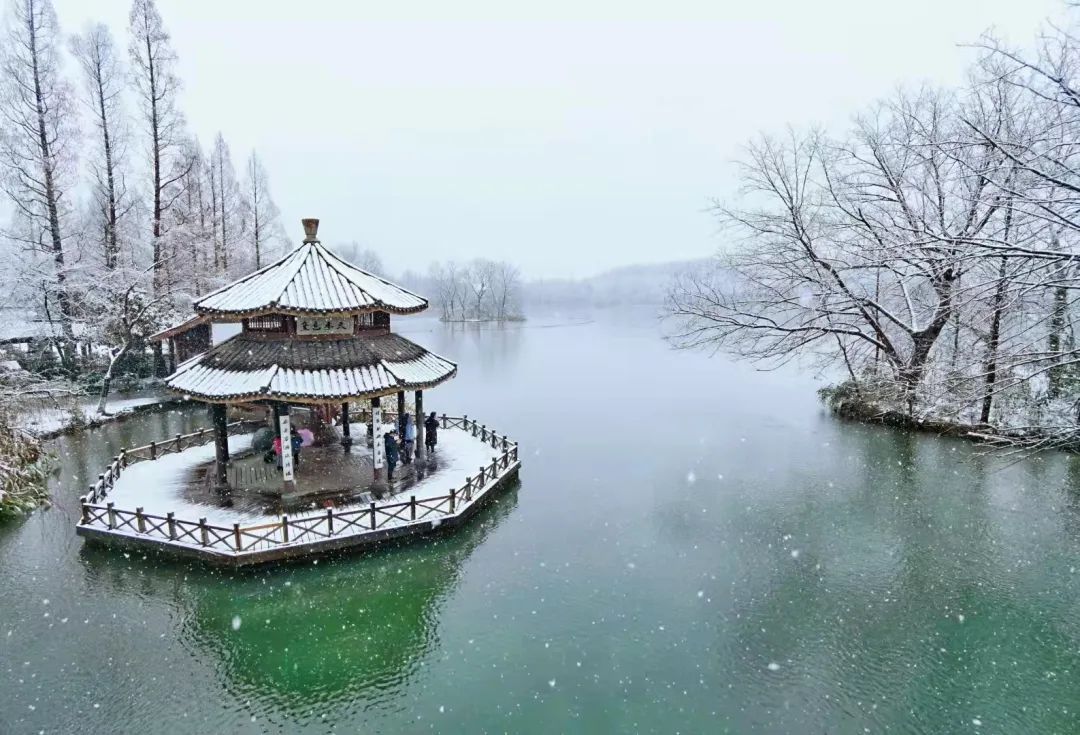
(431,432)
(391,446)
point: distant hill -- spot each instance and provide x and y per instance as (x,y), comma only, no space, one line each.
(629,284)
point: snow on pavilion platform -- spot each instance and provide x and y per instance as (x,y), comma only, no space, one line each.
(150,497)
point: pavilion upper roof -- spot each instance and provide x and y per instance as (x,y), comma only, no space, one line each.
(309,280)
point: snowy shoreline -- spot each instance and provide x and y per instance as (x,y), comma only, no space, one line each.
(53,422)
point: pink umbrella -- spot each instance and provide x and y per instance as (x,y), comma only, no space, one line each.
(307,436)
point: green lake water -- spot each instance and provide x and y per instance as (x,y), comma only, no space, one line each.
(694,547)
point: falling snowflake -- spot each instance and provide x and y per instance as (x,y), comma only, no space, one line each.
(773,666)
(691,478)
(236,622)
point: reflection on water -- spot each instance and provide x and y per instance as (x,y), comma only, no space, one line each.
(695,547)
(311,635)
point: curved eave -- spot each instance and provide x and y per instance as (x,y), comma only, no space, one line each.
(310,398)
(237,315)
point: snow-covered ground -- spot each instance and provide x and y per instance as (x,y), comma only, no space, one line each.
(158,486)
(47,420)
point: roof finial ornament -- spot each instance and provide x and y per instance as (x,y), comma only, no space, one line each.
(311,229)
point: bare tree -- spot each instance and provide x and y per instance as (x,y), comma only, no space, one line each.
(479,278)
(506,290)
(37,154)
(447,283)
(192,219)
(857,244)
(103,89)
(127,313)
(365,259)
(157,86)
(229,218)
(266,230)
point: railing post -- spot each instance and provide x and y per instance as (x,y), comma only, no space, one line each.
(412,507)
(140,522)
(373,516)
(112,515)
(236,536)
(101,481)
(444,420)
(285,529)
(480,478)
(153,450)
(85,513)
(483,432)
(504,443)
(330,521)
(204,533)
(93,493)
(123,458)
(453,500)
(468,489)
(171,518)
(179,446)
(513,452)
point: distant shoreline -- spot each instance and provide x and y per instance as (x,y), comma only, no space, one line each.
(444,320)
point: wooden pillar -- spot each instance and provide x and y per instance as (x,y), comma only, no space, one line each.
(277,420)
(401,415)
(377,447)
(418,399)
(172,354)
(221,445)
(346,432)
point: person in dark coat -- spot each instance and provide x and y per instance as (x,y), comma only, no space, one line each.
(296,441)
(391,445)
(431,432)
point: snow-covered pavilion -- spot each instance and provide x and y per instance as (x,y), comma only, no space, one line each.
(315,331)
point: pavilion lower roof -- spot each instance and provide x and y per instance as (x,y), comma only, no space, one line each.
(250,368)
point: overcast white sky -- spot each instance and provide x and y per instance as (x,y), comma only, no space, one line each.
(566,136)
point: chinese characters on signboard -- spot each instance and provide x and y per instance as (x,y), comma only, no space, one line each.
(309,325)
(378,451)
(286,449)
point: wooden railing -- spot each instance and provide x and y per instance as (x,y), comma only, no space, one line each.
(305,528)
(155,450)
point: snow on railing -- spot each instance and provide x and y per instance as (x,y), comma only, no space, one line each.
(309,527)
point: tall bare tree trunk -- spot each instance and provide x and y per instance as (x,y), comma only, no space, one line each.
(1054,342)
(993,341)
(36,102)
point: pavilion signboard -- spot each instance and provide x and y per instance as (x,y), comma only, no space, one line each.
(309,326)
